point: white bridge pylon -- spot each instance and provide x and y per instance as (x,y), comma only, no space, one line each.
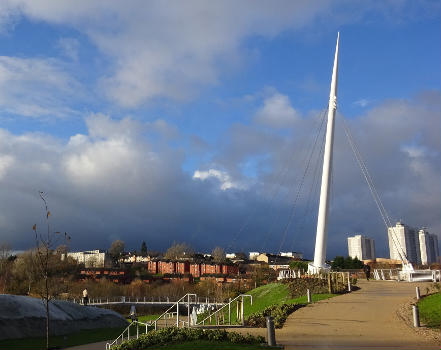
(319,264)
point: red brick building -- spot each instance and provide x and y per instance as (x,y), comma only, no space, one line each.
(182,267)
(166,267)
(152,267)
(208,269)
(195,269)
(230,269)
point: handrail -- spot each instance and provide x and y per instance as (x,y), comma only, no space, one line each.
(228,304)
(109,345)
(188,295)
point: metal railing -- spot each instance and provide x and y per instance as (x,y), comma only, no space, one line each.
(239,300)
(408,276)
(125,335)
(139,300)
(187,299)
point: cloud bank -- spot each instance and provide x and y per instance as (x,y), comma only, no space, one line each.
(111,182)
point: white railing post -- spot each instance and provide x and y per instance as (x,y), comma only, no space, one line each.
(229,312)
(188,310)
(241,312)
(177,314)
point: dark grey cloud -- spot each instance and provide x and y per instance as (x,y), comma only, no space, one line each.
(111,183)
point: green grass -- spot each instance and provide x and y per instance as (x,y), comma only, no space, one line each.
(206,344)
(79,338)
(145,318)
(275,294)
(430,310)
(268,295)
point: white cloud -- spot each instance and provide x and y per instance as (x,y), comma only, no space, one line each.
(158,50)
(69,47)
(277,112)
(5,162)
(35,87)
(363,102)
(223,177)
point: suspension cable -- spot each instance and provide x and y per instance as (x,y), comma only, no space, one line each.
(300,187)
(374,193)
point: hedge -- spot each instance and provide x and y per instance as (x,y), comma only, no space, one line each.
(174,335)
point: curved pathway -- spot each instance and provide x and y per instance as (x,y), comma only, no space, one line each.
(364,319)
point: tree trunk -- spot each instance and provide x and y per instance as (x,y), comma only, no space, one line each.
(47,324)
(47,315)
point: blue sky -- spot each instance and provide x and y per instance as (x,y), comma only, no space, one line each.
(167,123)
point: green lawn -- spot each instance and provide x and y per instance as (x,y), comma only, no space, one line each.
(79,338)
(430,310)
(146,318)
(268,295)
(273,294)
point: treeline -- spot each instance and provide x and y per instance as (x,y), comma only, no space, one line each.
(19,275)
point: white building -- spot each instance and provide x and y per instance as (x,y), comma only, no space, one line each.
(404,239)
(429,248)
(230,255)
(253,255)
(361,247)
(293,255)
(92,258)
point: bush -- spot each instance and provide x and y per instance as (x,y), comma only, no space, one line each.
(279,312)
(179,335)
(298,286)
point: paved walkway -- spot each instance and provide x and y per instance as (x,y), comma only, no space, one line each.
(366,319)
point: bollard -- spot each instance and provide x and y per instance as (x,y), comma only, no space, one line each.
(308,295)
(417,289)
(416,316)
(271,331)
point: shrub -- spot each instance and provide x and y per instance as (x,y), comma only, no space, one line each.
(279,312)
(175,335)
(298,286)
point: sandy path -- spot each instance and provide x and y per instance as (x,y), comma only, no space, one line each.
(365,319)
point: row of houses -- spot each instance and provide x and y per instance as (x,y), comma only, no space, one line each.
(195,269)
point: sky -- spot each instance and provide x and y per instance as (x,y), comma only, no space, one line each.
(202,121)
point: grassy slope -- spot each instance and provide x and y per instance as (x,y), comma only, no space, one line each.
(79,338)
(275,293)
(267,295)
(430,310)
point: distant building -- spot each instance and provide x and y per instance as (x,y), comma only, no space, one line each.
(230,255)
(133,258)
(361,247)
(274,261)
(92,258)
(253,255)
(293,255)
(404,239)
(429,249)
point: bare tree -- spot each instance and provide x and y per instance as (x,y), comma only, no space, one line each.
(179,251)
(47,262)
(116,249)
(5,265)
(218,255)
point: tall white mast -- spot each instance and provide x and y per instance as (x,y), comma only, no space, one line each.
(322,221)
